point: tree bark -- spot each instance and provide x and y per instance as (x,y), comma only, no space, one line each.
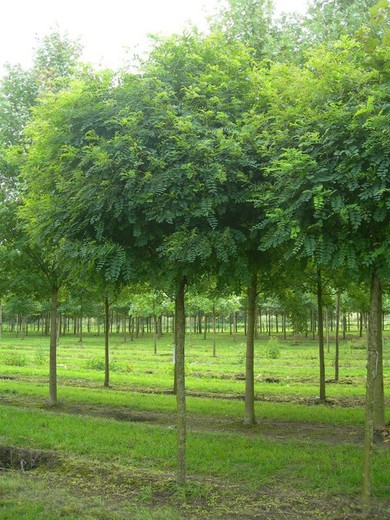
(379,401)
(321,337)
(106,342)
(214,335)
(374,338)
(53,346)
(327,329)
(155,334)
(337,338)
(180,380)
(249,418)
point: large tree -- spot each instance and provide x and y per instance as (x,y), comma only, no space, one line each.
(153,165)
(330,168)
(55,63)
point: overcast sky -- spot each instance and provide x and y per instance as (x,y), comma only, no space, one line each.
(106,28)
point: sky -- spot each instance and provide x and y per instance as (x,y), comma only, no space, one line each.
(109,30)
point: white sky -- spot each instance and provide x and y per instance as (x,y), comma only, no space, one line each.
(106,28)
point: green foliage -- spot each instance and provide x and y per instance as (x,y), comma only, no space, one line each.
(98,364)
(41,355)
(14,359)
(273,348)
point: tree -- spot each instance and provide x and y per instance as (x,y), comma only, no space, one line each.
(20,91)
(152,166)
(331,197)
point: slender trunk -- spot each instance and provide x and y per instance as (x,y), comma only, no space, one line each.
(190,329)
(1,320)
(321,337)
(106,342)
(249,418)
(379,402)
(344,325)
(337,338)
(373,340)
(260,322)
(23,326)
(180,377)
(214,335)
(269,324)
(155,334)
(174,357)
(53,346)
(80,328)
(327,329)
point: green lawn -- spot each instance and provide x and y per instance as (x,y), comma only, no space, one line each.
(225,461)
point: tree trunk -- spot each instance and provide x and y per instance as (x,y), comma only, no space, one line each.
(379,401)
(327,329)
(249,418)
(155,334)
(337,339)
(106,342)
(374,339)
(214,335)
(81,327)
(180,378)
(344,325)
(53,346)
(321,337)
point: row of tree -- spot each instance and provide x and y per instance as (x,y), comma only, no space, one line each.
(290,313)
(254,156)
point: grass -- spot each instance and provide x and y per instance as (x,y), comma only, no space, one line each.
(225,460)
(251,460)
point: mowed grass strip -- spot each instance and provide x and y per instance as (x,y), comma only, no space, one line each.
(253,460)
(203,406)
(293,373)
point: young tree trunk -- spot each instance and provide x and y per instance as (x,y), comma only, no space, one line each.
(81,327)
(174,357)
(214,335)
(155,334)
(269,324)
(379,401)
(249,418)
(374,339)
(180,378)
(190,329)
(344,325)
(337,339)
(106,342)
(327,329)
(321,337)
(53,346)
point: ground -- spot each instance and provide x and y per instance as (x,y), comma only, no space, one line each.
(113,490)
